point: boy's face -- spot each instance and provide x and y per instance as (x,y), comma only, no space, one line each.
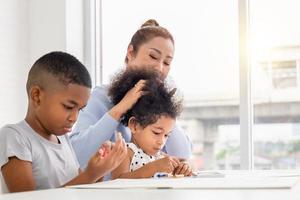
(58,108)
(153,137)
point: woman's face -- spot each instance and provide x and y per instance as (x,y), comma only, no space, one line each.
(157,53)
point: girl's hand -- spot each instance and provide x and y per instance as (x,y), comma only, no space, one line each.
(128,100)
(107,158)
(166,164)
(183,168)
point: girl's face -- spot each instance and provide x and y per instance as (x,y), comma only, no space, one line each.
(153,137)
(157,53)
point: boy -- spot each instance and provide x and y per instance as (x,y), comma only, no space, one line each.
(36,153)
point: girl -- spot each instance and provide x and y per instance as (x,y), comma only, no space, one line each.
(150,120)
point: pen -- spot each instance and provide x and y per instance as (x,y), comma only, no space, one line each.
(161,175)
(166,175)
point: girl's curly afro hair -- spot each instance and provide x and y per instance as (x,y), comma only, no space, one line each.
(159,99)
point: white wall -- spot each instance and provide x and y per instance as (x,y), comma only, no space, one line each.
(14,59)
(47,27)
(56,25)
(28,30)
(74,23)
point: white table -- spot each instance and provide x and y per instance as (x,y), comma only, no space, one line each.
(138,194)
(164,194)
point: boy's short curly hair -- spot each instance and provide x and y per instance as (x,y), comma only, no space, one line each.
(67,68)
(158,101)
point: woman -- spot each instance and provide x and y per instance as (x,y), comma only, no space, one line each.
(152,45)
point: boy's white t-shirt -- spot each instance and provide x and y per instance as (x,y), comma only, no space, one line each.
(53,164)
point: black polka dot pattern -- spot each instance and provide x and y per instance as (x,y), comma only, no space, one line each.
(140,158)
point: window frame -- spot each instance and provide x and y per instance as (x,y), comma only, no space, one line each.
(93,57)
(93,40)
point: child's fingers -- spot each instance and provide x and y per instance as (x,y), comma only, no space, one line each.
(175,161)
(105,148)
(118,150)
(177,169)
(173,165)
(188,172)
(101,152)
(122,149)
(107,145)
(184,169)
(119,145)
(96,157)
(118,135)
(118,153)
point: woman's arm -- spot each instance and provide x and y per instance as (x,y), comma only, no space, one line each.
(94,126)
(99,120)
(178,144)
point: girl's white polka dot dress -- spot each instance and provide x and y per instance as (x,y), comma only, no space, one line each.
(140,158)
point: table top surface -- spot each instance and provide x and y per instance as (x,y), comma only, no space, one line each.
(174,194)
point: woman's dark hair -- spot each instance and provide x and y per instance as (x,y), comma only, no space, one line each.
(158,101)
(149,30)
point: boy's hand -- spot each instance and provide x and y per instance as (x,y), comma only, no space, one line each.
(166,164)
(183,168)
(105,148)
(107,158)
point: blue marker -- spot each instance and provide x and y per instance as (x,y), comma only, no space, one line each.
(161,175)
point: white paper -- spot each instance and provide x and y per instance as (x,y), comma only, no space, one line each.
(208,174)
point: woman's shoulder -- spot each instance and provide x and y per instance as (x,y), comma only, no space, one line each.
(100,93)
(100,90)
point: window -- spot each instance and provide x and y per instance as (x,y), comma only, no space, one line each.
(205,67)
(276,98)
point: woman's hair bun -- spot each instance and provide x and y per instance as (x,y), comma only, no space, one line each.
(150,22)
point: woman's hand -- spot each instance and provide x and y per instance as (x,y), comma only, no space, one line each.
(128,100)
(107,158)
